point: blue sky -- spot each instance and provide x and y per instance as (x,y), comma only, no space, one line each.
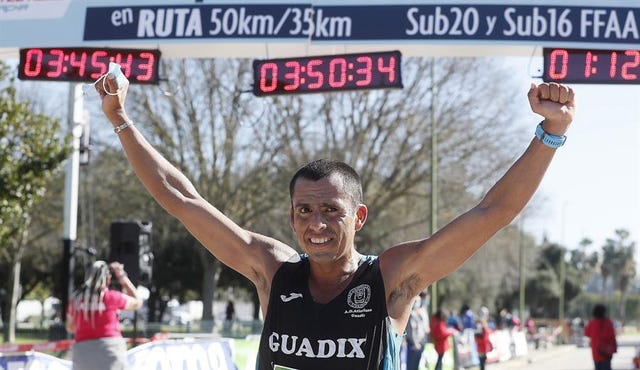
(593,185)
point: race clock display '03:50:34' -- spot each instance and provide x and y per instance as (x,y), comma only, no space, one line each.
(325,73)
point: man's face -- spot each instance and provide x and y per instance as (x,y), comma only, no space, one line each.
(324,218)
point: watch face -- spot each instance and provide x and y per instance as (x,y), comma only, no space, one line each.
(553,141)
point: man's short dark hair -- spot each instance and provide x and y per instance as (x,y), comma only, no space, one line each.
(322,168)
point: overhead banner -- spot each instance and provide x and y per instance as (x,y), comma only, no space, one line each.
(558,23)
(462,22)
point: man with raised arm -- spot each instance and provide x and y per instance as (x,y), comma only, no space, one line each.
(326,306)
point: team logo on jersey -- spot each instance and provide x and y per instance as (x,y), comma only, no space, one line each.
(359,296)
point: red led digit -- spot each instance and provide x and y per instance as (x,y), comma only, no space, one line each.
(125,63)
(630,64)
(98,61)
(56,63)
(33,63)
(341,63)
(293,76)
(613,66)
(315,74)
(78,62)
(364,71)
(587,64)
(563,55)
(147,67)
(268,77)
(390,69)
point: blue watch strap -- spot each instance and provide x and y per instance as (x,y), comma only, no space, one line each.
(552,141)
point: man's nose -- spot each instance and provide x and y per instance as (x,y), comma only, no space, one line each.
(317,221)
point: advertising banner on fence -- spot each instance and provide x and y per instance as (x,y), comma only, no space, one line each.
(185,354)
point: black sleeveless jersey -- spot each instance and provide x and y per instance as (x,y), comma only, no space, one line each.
(351,332)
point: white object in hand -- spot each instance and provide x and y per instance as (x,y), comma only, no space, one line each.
(116,71)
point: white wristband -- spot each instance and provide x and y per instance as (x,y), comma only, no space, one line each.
(122,126)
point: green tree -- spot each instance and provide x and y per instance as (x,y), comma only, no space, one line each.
(619,264)
(543,287)
(583,261)
(31,151)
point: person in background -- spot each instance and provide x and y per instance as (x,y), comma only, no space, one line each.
(453,320)
(467,317)
(229,317)
(483,343)
(603,338)
(92,315)
(532,332)
(417,332)
(440,334)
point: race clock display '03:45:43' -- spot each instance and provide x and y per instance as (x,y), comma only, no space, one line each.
(140,66)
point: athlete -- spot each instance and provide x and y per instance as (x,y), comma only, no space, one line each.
(331,307)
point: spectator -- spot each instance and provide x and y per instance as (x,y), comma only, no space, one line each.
(229,316)
(603,338)
(532,332)
(483,343)
(453,321)
(92,316)
(417,333)
(467,317)
(440,334)
(506,319)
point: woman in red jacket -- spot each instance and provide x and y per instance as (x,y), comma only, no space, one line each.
(440,334)
(603,338)
(483,343)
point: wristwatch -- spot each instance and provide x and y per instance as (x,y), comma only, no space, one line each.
(552,141)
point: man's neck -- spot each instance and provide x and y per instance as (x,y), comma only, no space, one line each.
(326,281)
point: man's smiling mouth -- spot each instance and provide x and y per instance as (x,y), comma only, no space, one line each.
(319,240)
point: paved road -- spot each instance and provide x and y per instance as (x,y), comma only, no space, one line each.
(570,357)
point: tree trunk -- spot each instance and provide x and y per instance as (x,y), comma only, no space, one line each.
(15,293)
(211,273)
(14,284)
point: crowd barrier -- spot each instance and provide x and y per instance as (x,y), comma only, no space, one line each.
(207,353)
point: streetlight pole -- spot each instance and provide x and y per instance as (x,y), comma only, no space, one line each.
(434,178)
(521,273)
(76,118)
(563,274)
(563,277)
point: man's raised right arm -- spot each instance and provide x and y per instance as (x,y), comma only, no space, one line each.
(253,255)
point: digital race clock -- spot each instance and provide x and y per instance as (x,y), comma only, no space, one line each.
(87,64)
(327,73)
(591,66)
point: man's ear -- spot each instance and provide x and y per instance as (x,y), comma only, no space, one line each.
(291,219)
(361,216)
